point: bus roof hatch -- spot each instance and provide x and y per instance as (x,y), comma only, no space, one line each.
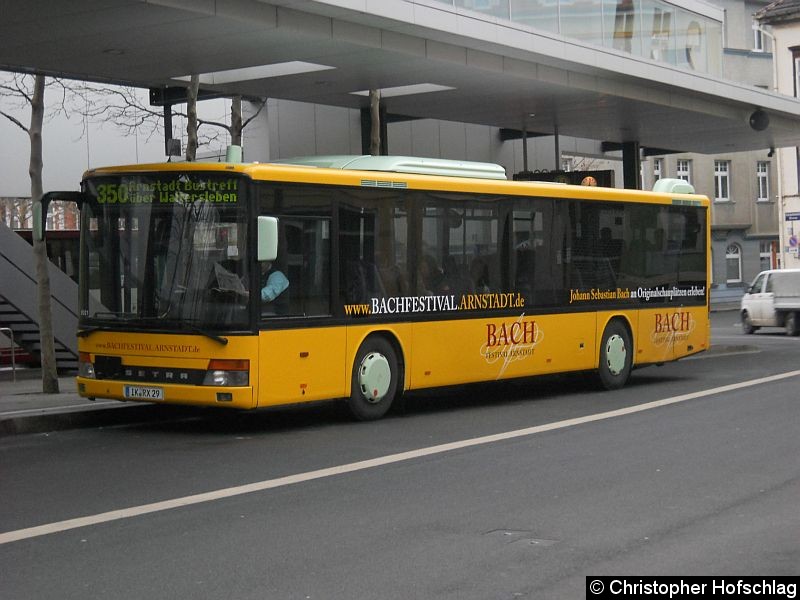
(402,164)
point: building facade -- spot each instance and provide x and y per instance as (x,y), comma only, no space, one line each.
(782,20)
(721,39)
(743,186)
(718,39)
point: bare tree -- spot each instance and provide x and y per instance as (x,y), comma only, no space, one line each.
(191,126)
(375,116)
(237,125)
(31,89)
(238,122)
(124,108)
(15,212)
(120,106)
(585,163)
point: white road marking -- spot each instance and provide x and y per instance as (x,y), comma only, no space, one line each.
(259,486)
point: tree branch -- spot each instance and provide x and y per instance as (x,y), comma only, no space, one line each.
(213,123)
(261,106)
(14,120)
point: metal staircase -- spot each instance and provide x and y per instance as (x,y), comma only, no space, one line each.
(18,306)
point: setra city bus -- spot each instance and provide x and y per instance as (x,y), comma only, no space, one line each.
(403,274)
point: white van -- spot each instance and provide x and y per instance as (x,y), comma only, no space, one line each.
(772,300)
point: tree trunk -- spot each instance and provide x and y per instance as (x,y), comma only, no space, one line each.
(48,353)
(236,121)
(375,116)
(191,113)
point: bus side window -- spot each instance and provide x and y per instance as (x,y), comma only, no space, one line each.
(479,273)
(541,254)
(456,281)
(523,281)
(429,276)
(394,280)
(373,246)
(306,261)
(363,281)
(304,248)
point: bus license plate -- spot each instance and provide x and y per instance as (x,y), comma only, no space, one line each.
(138,392)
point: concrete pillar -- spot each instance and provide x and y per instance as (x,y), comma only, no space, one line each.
(631,166)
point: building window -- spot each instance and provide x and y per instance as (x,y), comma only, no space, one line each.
(684,170)
(722,191)
(658,165)
(623,25)
(762,180)
(694,37)
(758,38)
(796,73)
(765,255)
(662,28)
(733,261)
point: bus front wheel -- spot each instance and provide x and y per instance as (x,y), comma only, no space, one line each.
(616,356)
(374,381)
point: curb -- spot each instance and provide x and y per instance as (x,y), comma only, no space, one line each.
(55,419)
(724,350)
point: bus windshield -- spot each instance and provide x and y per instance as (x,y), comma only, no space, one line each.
(164,251)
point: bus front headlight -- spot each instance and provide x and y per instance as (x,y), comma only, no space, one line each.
(85,366)
(227,373)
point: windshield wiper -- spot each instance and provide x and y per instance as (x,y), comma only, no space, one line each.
(87,331)
(120,315)
(212,336)
(186,324)
(134,320)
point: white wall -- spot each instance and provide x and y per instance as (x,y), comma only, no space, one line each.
(283,129)
(787,37)
(68,150)
(71,146)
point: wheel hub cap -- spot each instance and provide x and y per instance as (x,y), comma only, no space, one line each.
(615,354)
(374,377)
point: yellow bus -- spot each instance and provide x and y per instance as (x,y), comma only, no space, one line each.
(403,274)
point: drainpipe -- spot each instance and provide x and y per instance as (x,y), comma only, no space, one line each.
(778,153)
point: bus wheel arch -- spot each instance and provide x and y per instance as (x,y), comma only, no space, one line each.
(615,358)
(376,377)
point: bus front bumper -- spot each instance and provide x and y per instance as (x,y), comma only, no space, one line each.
(167,393)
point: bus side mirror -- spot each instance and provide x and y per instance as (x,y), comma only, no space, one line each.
(40,210)
(267,241)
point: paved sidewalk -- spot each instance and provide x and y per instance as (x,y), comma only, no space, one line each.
(24,408)
(26,392)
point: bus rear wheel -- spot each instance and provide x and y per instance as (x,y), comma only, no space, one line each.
(616,356)
(375,379)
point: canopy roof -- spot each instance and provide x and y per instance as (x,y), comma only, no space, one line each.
(430,59)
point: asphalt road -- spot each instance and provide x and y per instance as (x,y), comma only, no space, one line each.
(516,490)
